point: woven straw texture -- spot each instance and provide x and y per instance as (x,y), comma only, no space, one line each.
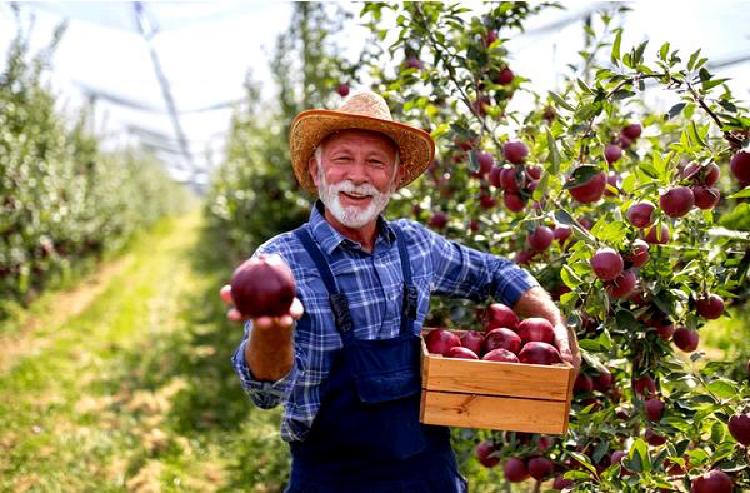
(367,111)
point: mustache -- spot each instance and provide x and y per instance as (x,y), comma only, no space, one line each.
(350,187)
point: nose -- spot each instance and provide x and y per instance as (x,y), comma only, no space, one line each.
(358,172)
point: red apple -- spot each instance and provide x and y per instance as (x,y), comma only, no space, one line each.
(612,153)
(562,232)
(490,37)
(515,470)
(539,353)
(473,225)
(540,468)
(583,383)
(632,131)
(664,327)
(486,162)
(686,339)
(515,152)
(439,341)
(536,329)
(740,166)
(622,285)
(502,355)
(638,255)
(494,179)
(502,338)
(705,197)
(499,315)
(641,214)
(654,408)
(465,143)
(413,62)
(645,385)
(560,483)
(541,238)
(586,223)
(624,141)
(709,306)
(534,172)
(471,339)
(505,77)
(663,235)
(513,202)
(714,481)
(461,353)
(603,381)
(343,90)
(591,190)
(653,438)
(739,427)
(486,201)
(508,180)
(677,201)
(709,174)
(607,264)
(438,220)
(484,453)
(263,287)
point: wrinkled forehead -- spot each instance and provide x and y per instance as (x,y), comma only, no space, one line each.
(360,136)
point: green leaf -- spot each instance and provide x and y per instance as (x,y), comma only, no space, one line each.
(675,110)
(664,51)
(693,58)
(584,461)
(639,454)
(614,55)
(561,102)
(718,431)
(554,154)
(723,388)
(742,194)
(696,135)
(710,84)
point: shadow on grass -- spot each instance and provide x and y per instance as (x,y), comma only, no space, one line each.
(210,409)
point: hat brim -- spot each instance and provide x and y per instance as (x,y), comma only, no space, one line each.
(309,128)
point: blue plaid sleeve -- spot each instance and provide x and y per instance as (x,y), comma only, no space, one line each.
(464,272)
(263,394)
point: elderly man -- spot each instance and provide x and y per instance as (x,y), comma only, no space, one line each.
(347,371)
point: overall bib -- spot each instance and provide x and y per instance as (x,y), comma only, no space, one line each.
(366,436)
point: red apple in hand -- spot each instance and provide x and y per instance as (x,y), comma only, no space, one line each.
(439,341)
(536,330)
(263,287)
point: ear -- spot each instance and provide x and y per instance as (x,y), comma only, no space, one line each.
(312,168)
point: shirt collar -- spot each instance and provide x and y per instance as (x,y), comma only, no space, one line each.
(328,238)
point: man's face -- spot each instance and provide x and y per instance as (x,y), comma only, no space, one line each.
(356,176)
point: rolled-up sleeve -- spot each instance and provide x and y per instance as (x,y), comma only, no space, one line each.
(460,271)
(264,394)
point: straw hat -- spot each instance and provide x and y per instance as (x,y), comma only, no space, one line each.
(367,111)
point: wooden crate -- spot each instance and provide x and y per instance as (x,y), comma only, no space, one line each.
(493,395)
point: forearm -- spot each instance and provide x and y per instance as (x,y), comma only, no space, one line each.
(537,303)
(269,353)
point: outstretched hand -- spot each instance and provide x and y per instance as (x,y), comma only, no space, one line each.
(568,346)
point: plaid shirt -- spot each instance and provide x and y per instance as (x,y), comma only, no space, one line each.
(373,284)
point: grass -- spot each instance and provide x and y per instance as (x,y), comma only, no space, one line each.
(134,391)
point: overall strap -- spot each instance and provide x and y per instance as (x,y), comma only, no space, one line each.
(339,302)
(409,307)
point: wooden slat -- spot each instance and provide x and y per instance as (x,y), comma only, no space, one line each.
(496,413)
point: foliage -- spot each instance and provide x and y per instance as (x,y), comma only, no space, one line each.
(443,73)
(61,198)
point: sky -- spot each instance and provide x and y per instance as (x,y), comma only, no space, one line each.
(207,48)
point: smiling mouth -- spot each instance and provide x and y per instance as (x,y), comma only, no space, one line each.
(356,197)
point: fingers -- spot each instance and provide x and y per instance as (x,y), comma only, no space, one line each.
(234,315)
(296,310)
(226,294)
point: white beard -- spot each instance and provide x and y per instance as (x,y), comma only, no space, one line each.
(351,216)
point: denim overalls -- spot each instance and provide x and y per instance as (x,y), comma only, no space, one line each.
(366,436)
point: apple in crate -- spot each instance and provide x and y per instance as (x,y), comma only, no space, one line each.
(499,315)
(474,340)
(502,355)
(536,330)
(502,338)
(461,353)
(439,341)
(539,353)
